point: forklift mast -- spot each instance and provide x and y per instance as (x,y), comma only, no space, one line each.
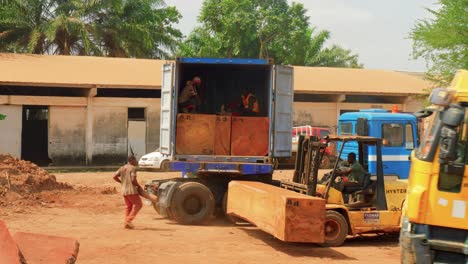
(310,152)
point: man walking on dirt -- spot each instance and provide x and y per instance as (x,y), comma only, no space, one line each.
(127,177)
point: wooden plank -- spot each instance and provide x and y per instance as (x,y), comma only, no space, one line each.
(287,215)
(38,248)
(9,251)
(223,136)
(195,134)
(250,136)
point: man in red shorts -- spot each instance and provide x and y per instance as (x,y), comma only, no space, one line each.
(127,177)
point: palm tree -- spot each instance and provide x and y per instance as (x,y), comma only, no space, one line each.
(136,28)
(23,24)
(116,28)
(46,26)
(70,30)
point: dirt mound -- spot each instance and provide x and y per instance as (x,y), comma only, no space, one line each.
(25,178)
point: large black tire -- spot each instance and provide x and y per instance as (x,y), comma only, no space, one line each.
(193,204)
(336,229)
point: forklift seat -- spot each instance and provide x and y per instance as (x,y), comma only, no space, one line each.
(364,181)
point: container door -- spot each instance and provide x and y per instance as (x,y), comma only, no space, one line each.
(283,112)
(167,109)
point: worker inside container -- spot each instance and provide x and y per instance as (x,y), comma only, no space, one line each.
(245,105)
(189,99)
(249,103)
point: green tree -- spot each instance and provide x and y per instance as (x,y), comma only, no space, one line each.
(443,40)
(23,25)
(116,28)
(68,31)
(136,28)
(262,29)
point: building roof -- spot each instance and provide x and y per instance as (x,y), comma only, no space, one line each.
(79,71)
(85,71)
(340,80)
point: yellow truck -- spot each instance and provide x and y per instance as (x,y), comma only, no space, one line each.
(435,217)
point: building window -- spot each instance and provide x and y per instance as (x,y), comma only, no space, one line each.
(136,114)
(37,113)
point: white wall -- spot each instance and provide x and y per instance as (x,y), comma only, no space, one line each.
(109,135)
(67,135)
(10,130)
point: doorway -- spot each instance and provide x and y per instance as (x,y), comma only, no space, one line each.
(34,136)
(137,132)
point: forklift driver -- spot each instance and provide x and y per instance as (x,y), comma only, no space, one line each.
(354,173)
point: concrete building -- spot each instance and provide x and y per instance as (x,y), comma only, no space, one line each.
(72,111)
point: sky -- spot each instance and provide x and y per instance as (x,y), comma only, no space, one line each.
(376,30)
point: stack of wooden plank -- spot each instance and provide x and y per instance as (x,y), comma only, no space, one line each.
(200,134)
(222,135)
(287,215)
(250,136)
(195,134)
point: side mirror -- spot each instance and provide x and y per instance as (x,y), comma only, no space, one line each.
(448,144)
(451,119)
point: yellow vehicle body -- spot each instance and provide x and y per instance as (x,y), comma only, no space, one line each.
(427,205)
(435,218)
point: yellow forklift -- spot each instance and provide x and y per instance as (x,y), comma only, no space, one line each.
(374,207)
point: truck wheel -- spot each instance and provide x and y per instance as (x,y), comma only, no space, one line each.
(336,229)
(169,213)
(192,204)
(325,163)
(165,165)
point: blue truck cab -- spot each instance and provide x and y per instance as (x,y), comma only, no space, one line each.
(245,145)
(399,133)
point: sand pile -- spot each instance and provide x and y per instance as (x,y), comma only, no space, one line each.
(25,178)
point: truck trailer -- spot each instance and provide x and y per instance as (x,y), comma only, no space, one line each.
(217,143)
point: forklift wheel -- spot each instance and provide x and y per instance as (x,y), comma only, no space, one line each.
(336,229)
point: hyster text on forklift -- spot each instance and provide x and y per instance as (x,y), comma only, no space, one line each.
(221,119)
(435,218)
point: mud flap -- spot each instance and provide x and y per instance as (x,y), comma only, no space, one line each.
(165,193)
(414,247)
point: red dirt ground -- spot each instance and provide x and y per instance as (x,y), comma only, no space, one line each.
(93,211)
